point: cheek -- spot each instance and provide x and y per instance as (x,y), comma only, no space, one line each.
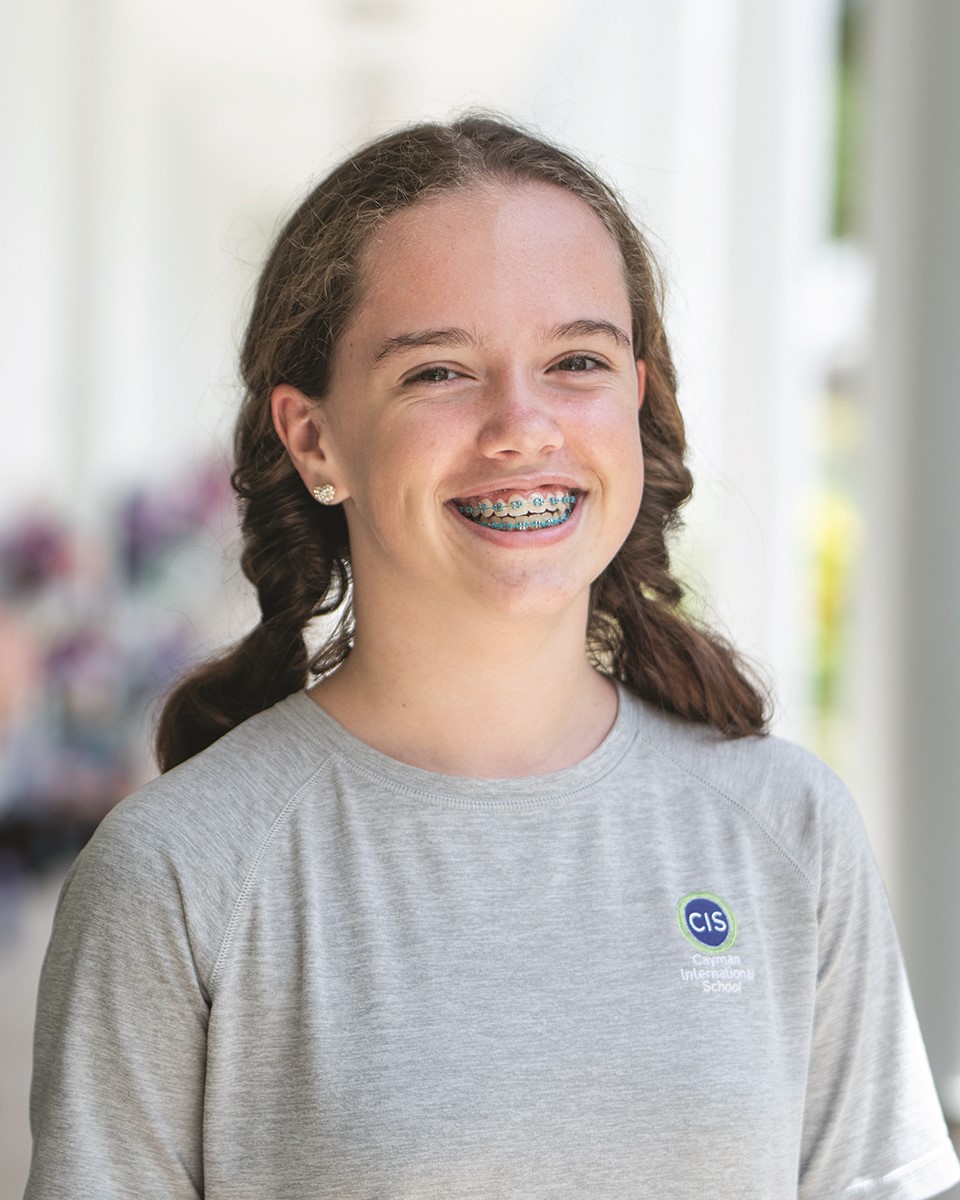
(395,469)
(418,452)
(615,433)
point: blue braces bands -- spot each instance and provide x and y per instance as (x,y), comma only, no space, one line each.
(487,508)
(542,523)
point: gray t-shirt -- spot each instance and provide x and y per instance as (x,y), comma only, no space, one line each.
(294,967)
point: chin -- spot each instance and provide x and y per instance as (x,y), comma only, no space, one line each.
(523,598)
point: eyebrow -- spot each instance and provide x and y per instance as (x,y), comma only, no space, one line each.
(587,326)
(424,337)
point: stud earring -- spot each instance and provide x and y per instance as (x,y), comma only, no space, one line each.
(325,493)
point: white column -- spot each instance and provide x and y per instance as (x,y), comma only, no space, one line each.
(909,695)
(752,402)
(45,205)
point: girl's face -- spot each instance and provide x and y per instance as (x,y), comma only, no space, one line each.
(481,427)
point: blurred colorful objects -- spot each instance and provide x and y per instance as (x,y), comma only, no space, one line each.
(94,626)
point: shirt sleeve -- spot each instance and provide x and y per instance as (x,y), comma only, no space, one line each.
(119,1048)
(873,1126)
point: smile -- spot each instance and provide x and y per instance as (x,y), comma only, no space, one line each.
(535,510)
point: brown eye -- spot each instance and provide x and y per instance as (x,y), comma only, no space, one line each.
(433,375)
(579,363)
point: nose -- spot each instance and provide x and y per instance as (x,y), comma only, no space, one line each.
(519,421)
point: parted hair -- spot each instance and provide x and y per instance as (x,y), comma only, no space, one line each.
(296,553)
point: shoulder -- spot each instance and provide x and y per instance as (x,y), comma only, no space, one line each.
(237,787)
(226,797)
(777,788)
(189,841)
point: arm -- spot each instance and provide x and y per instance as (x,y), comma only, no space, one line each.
(119,1051)
(872,1122)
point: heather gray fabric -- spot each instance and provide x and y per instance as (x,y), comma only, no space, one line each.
(293,967)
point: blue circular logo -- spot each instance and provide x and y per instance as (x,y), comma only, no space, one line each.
(707,921)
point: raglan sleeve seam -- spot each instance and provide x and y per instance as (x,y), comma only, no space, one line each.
(253,871)
(806,878)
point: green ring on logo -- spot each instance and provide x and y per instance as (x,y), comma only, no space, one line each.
(728,911)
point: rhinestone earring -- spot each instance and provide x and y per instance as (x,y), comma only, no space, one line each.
(325,493)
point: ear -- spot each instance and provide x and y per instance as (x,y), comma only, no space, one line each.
(300,425)
(641,382)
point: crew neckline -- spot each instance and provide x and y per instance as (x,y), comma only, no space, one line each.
(527,789)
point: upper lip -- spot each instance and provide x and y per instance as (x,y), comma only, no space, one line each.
(525,484)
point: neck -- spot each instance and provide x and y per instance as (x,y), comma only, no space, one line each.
(489,697)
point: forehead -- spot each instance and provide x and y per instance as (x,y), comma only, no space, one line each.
(490,247)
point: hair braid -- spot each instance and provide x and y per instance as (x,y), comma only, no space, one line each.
(296,581)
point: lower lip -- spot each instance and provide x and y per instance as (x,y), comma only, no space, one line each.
(529,538)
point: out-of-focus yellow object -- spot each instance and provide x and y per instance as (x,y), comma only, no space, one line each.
(835,535)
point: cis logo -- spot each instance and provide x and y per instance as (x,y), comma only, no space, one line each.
(707,921)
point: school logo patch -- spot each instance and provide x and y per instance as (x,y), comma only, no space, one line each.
(707,921)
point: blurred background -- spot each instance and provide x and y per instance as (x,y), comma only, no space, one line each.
(798,166)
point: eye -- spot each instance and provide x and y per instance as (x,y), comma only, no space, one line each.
(580,364)
(432,375)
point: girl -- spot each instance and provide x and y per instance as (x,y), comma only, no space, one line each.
(516,900)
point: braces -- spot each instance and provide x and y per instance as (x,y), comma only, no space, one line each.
(501,506)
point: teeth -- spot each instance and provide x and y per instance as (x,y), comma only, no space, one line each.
(538,510)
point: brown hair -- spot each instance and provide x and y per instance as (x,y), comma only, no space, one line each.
(296,552)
